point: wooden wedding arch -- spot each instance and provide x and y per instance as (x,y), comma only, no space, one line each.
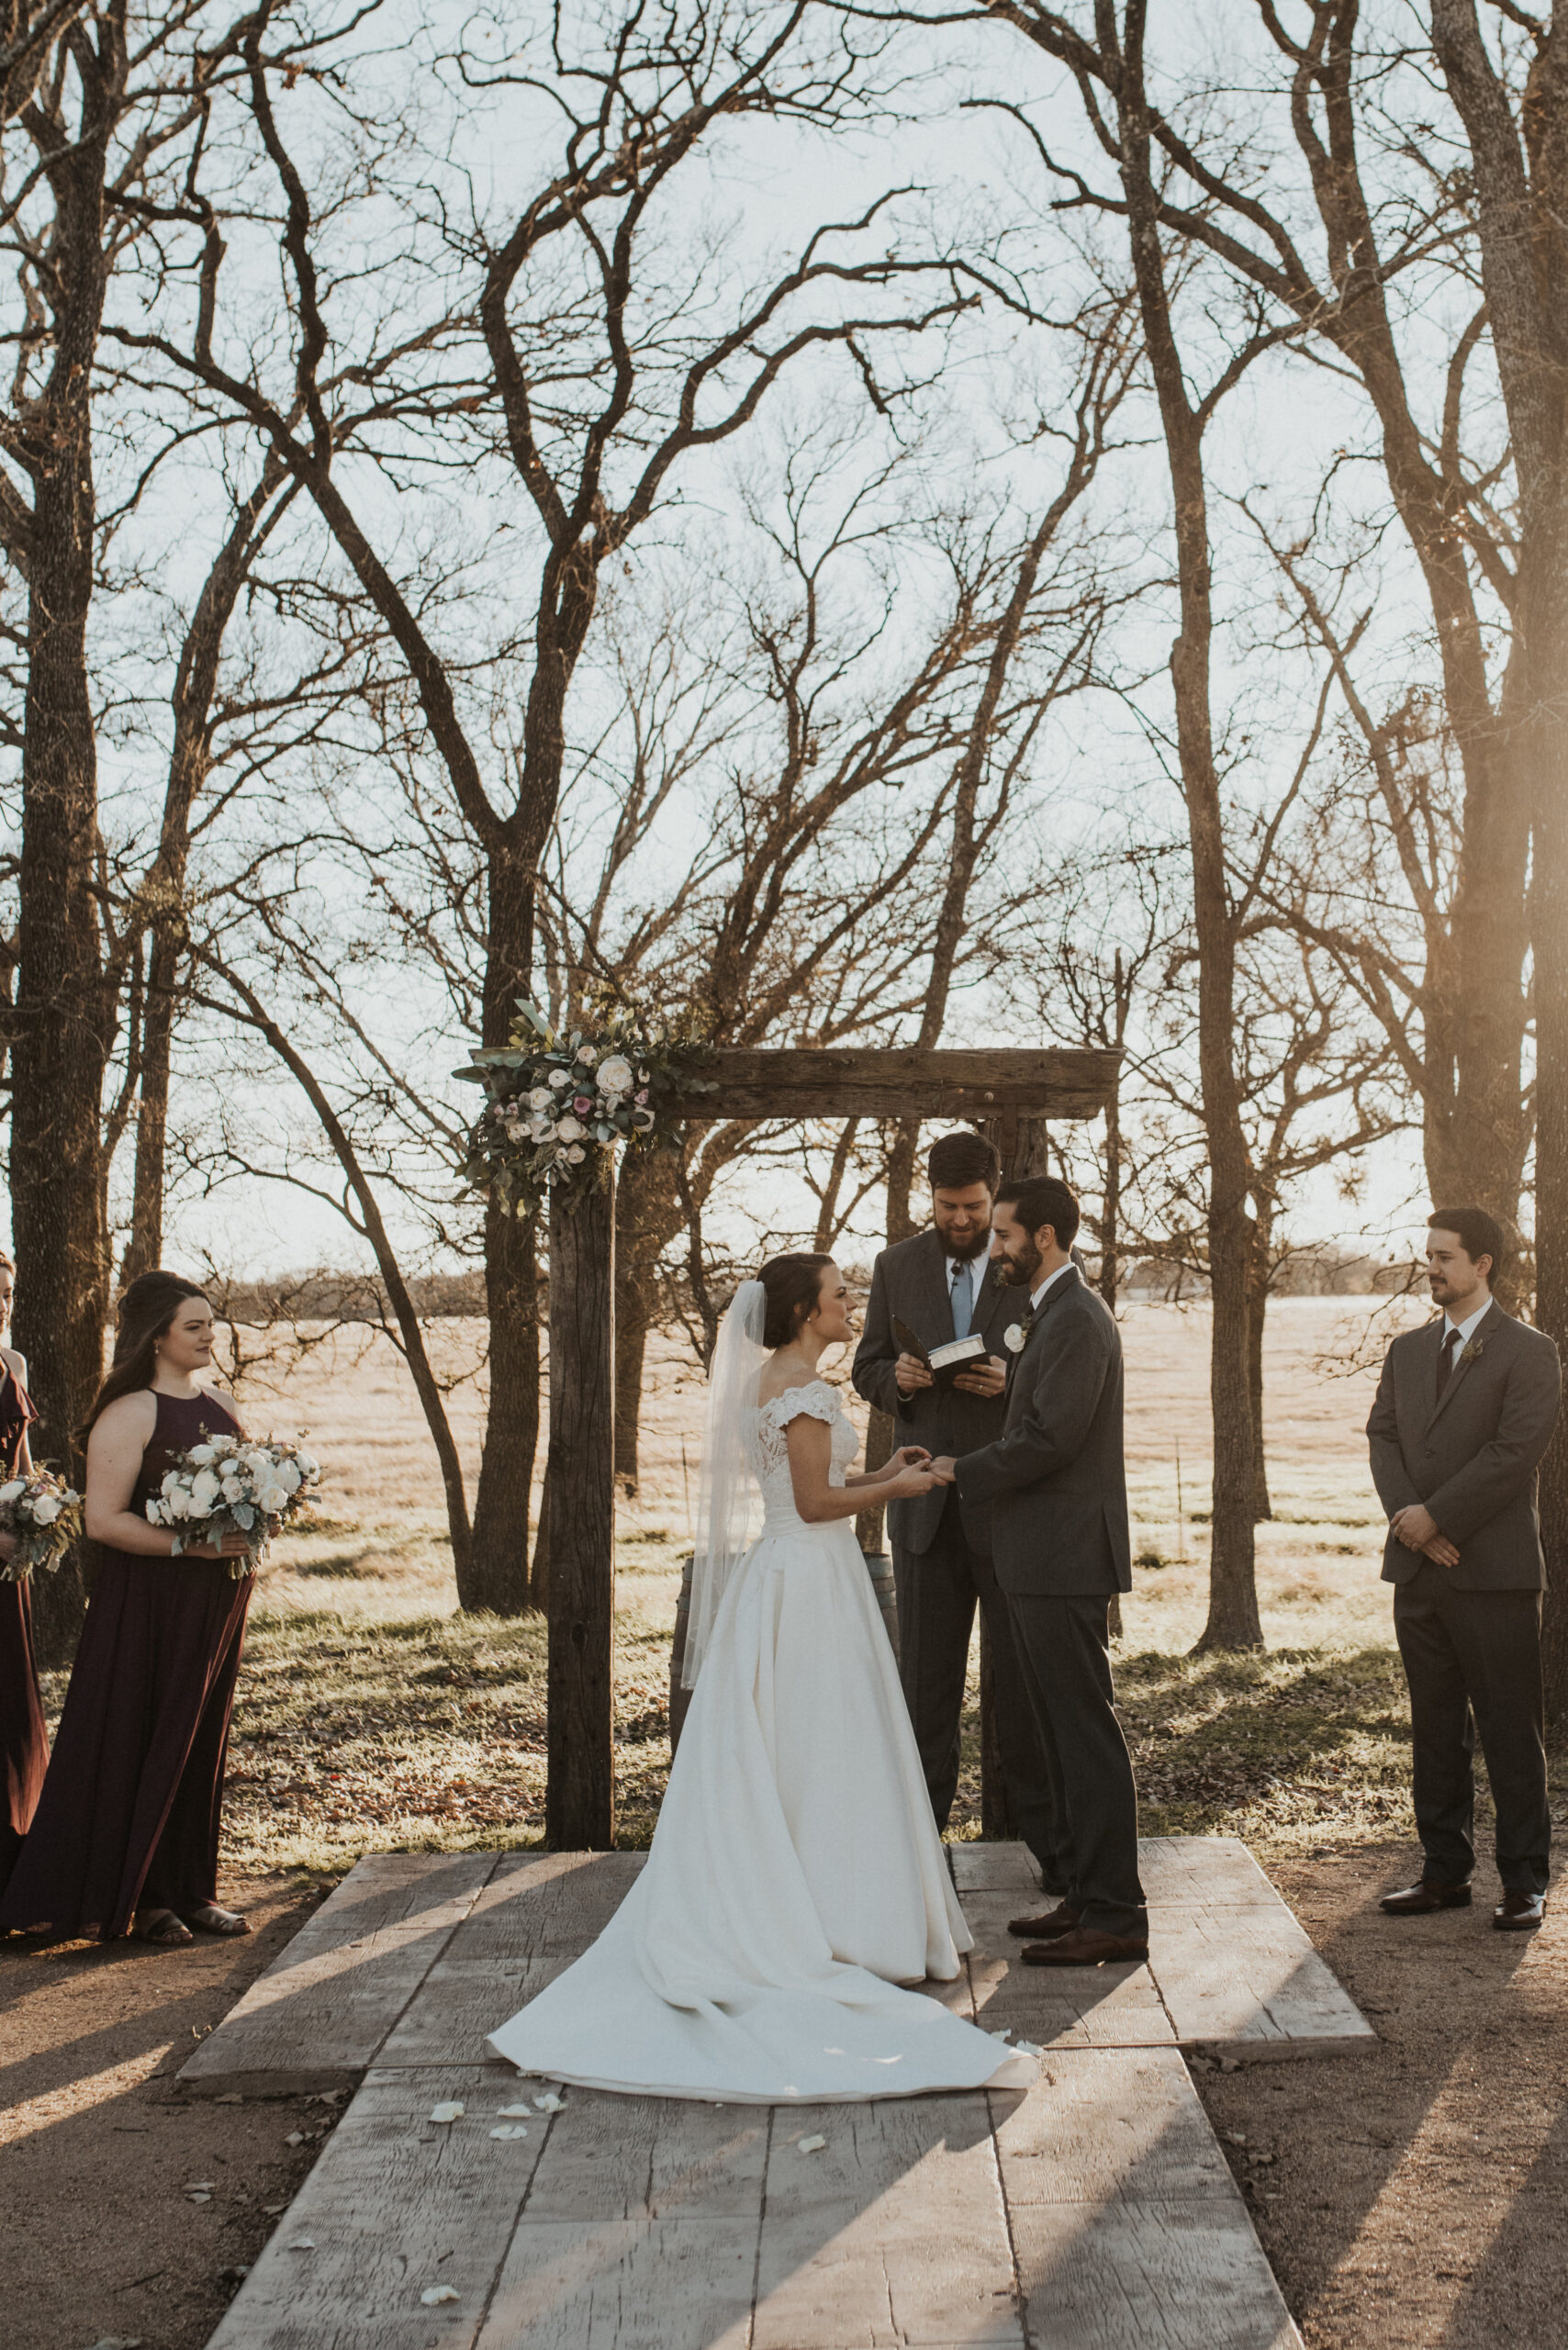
(1010,1096)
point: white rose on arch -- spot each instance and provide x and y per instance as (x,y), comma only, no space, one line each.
(570,1129)
(539,1098)
(575,1155)
(558,1077)
(615,1075)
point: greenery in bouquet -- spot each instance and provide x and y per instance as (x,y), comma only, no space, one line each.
(556,1105)
(43,1516)
(230,1484)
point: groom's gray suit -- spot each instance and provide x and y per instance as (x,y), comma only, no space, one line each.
(1050,1497)
(939,1573)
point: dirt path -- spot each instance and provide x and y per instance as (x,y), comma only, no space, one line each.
(101,2240)
(1417,2196)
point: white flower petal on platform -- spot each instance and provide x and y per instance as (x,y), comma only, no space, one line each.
(1028,2048)
(515,2112)
(434,2293)
(510,2130)
(810,2145)
(549,2103)
(452,2110)
(301,2243)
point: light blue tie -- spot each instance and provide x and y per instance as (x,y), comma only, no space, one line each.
(963,1299)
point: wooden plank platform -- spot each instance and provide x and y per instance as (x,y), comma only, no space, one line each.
(418,1955)
(1096,2212)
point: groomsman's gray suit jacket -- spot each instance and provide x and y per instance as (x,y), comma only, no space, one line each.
(910,1280)
(1053,1485)
(1471,1455)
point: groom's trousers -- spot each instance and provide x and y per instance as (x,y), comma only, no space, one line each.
(1063,1647)
(938,1591)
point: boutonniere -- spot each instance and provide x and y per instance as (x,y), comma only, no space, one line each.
(1471,1353)
(1016,1337)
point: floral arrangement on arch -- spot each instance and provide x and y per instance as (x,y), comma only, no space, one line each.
(557,1105)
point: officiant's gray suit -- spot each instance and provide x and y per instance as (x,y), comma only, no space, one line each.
(1470,1634)
(939,1571)
(1050,1497)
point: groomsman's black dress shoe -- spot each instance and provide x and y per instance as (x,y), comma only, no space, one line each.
(1420,1900)
(1059,1921)
(1087,1946)
(1519,1913)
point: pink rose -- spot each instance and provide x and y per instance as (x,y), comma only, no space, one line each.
(641,1095)
(583,1104)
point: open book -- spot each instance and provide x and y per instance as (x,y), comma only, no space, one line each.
(945,1362)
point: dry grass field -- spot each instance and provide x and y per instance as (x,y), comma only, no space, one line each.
(371,1713)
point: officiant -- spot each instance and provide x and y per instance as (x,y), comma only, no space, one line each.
(936,1288)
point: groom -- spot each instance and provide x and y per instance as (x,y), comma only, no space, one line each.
(941,1286)
(1054,1490)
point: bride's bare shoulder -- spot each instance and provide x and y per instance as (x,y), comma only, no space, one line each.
(780,1380)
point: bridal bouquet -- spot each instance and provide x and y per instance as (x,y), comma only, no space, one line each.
(558,1105)
(228,1484)
(44,1516)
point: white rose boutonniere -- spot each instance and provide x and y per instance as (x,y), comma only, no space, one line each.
(1015,1338)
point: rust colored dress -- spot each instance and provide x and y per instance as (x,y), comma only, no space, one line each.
(132,1803)
(23,1741)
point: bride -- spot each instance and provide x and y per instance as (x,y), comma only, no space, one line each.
(796,1878)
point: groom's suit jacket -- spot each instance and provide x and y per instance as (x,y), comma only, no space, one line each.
(910,1280)
(1053,1485)
(1470,1455)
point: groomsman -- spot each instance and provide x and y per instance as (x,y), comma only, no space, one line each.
(942,1286)
(1052,1491)
(1465,1409)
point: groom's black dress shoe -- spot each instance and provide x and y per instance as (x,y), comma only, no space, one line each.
(1420,1900)
(1059,1921)
(1518,1913)
(1087,1946)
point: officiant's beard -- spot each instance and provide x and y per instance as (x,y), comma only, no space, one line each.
(965,1252)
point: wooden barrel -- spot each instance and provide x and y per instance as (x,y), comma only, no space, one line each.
(878,1566)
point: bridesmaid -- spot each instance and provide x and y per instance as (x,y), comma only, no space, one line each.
(24,1742)
(127,1826)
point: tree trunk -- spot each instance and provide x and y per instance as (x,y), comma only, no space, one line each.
(62,1019)
(498,1574)
(1257,1311)
(580,1791)
(144,1248)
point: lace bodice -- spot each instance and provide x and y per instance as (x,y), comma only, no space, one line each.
(769,1452)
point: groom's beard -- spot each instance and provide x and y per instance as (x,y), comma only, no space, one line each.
(1019,1272)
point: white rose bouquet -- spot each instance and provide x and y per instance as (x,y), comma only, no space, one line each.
(558,1104)
(229,1484)
(43,1516)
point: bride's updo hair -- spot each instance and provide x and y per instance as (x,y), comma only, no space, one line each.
(793,1285)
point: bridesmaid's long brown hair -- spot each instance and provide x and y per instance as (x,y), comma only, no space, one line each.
(142,1316)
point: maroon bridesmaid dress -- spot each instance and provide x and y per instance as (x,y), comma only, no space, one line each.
(130,1810)
(23,1741)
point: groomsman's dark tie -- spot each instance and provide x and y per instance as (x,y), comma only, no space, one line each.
(1446,1359)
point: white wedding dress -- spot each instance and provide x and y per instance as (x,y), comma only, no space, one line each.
(796,1878)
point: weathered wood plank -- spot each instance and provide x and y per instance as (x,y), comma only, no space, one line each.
(891,2234)
(1248,1980)
(1089,2007)
(1203,1872)
(1116,2125)
(995,1868)
(1161,2275)
(318,2017)
(1066,1082)
(639,2229)
(396,2204)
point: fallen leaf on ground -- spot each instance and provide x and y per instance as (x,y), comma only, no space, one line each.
(301,2243)
(434,2293)
(230,2096)
(452,2110)
(810,2145)
(200,2196)
(271,2210)
(295,2138)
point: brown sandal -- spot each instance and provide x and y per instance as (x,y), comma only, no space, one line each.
(163,1929)
(211,1919)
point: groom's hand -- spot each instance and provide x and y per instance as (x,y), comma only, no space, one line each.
(988,1378)
(911,1373)
(1417,1528)
(944,1468)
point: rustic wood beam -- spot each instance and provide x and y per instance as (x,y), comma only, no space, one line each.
(579,1801)
(906,1082)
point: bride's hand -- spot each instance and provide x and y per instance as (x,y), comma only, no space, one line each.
(916,1479)
(908,1456)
